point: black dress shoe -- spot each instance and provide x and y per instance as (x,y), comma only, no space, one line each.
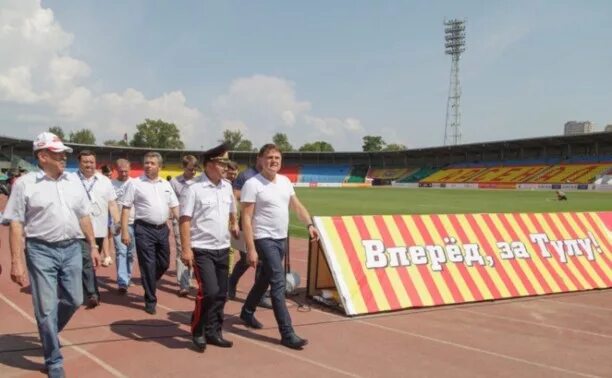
(150,308)
(199,342)
(250,321)
(293,341)
(93,301)
(219,341)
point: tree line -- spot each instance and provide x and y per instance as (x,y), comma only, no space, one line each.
(161,134)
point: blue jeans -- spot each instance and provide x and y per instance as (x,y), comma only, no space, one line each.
(271,253)
(57,290)
(125,257)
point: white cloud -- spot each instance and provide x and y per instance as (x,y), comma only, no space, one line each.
(36,68)
(263,105)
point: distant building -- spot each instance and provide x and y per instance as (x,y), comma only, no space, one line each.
(575,128)
(608,128)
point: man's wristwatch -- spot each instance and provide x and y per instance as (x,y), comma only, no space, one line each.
(309,225)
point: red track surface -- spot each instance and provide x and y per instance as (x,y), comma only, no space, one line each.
(552,336)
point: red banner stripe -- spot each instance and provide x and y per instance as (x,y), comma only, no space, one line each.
(467,278)
(563,266)
(593,227)
(515,266)
(606,279)
(483,241)
(484,274)
(408,285)
(534,269)
(383,279)
(423,270)
(546,262)
(452,286)
(356,266)
(602,237)
(557,232)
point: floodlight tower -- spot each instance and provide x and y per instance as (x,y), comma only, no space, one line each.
(454,35)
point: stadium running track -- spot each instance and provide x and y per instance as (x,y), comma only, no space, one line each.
(562,335)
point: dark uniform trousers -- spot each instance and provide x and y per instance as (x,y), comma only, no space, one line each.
(211,272)
(153,250)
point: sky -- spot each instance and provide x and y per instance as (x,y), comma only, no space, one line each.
(314,70)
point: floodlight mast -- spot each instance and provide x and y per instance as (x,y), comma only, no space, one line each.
(454,35)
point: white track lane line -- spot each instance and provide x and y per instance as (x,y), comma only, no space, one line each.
(274,349)
(467,347)
(67,343)
(536,323)
(579,305)
(474,349)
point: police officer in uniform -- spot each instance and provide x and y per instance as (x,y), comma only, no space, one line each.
(51,210)
(207,208)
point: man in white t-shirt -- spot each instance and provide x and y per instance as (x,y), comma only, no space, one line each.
(101,194)
(124,253)
(266,199)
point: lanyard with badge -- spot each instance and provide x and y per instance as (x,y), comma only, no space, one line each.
(95,207)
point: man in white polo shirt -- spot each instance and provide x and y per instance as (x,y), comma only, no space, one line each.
(265,200)
(153,199)
(207,208)
(101,194)
(51,210)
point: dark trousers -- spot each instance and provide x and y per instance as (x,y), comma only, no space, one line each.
(271,253)
(211,270)
(240,268)
(153,253)
(90,281)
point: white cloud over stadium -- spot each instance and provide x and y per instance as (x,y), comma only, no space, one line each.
(42,85)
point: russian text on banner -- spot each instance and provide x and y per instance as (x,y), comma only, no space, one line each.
(382,263)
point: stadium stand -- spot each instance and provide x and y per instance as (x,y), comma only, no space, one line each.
(418,175)
(292,172)
(537,174)
(358,174)
(324,174)
(389,173)
(454,175)
(571,173)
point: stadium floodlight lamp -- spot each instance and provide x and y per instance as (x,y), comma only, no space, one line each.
(454,46)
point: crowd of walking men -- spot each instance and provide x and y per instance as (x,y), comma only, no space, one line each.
(66,219)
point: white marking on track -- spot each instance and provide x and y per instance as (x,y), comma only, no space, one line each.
(539,324)
(67,343)
(275,349)
(466,347)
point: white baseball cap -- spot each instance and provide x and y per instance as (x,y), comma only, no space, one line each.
(50,142)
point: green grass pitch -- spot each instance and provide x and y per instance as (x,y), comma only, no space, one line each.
(386,200)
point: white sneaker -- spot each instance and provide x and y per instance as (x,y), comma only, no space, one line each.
(107,261)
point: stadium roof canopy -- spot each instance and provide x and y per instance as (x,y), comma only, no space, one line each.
(602,141)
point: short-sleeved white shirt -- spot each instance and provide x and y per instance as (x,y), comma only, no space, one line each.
(120,188)
(50,209)
(99,190)
(271,199)
(179,183)
(151,199)
(209,207)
